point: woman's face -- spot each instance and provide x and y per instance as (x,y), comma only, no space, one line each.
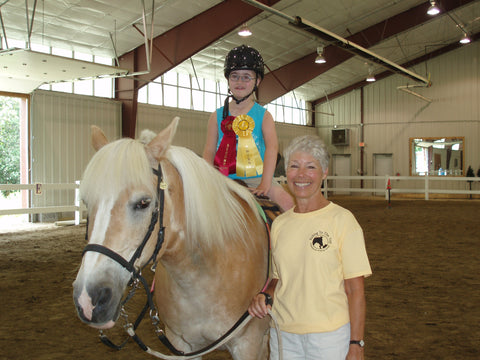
(242,82)
(304,175)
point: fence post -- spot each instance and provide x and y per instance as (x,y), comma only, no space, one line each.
(78,211)
(386,186)
(325,188)
(426,186)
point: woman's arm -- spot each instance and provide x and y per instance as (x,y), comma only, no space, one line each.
(354,289)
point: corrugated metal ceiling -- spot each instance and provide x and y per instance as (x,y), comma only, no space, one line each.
(89,26)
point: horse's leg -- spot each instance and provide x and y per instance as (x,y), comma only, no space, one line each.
(252,344)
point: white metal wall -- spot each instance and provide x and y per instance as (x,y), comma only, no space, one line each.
(392,116)
(192,129)
(60,123)
(60,145)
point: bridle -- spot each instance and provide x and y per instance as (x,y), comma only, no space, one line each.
(136,278)
(157,216)
(129,265)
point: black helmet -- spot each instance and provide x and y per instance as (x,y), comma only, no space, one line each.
(244,58)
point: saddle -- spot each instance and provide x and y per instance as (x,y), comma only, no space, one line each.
(270,209)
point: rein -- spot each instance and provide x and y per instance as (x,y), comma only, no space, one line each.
(136,278)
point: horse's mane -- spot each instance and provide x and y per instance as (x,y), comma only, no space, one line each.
(211,200)
(212,210)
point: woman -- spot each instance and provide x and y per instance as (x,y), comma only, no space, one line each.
(241,137)
(319,262)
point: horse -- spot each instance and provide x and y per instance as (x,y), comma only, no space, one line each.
(211,261)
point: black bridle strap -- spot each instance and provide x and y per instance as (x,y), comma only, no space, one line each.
(156,215)
(111,254)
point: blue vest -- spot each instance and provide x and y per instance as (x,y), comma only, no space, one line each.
(256,113)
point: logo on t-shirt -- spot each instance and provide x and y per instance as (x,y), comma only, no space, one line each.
(320,241)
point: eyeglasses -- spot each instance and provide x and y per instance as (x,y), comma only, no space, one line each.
(243,78)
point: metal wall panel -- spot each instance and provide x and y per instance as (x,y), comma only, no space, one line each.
(392,116)
(60,145)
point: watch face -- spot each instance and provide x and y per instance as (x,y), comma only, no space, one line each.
(361,343)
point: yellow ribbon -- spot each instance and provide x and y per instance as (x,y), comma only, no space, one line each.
(249,161)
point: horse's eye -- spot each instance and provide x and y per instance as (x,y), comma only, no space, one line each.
(142,204)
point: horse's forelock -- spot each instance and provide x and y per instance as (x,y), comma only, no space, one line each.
(116,166)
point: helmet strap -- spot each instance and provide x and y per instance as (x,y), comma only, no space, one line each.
(237,101)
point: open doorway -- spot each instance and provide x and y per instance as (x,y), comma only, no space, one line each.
(14,163)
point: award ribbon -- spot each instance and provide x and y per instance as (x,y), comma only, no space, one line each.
(225,158)
(249,161)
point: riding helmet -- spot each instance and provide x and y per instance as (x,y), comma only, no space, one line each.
(244,58)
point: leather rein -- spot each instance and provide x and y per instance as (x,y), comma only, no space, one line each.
(137,278)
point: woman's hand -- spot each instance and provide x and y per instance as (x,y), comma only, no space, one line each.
(258,307)
(355,352)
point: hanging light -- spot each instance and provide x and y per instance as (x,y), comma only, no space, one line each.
(320,59)
(244,30)
(433,9)
(370,77)
(465,39)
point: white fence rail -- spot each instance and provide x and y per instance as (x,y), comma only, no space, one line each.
(357,184)
(370,184)
(78,207)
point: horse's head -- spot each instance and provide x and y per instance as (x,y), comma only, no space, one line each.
(120,188)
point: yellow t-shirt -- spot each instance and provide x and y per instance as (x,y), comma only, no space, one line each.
(312,254)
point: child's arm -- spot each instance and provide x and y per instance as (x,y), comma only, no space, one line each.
(212,138)
(271,151)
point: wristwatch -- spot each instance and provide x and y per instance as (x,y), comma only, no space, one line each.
(360,343)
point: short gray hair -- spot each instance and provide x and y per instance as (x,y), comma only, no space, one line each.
(310,144)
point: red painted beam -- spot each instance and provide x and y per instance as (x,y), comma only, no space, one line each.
(175,46)
(303,70)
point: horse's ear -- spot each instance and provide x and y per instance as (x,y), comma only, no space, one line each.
(98,138)
(158,146)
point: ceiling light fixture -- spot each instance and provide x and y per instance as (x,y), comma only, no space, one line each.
(370,77)
(465,39)
(433,9)
(244,30)
(320,59)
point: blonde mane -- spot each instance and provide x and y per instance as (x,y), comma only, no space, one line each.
(212,210)
(117,165)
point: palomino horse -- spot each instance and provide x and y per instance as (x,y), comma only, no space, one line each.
(214,255)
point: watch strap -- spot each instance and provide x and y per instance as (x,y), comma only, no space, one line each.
(360,343)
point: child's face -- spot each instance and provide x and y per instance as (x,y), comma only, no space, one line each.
(242,82)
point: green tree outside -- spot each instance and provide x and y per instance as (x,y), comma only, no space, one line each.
(9,141)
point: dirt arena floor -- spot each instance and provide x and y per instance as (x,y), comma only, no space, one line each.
(423,298)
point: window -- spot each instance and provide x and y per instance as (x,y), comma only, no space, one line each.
(186,92)
(437,156)
(288,109)
(102,87)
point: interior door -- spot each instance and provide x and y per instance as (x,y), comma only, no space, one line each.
(341,166)
(383,165)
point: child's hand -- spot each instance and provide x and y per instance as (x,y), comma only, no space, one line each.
(261,190)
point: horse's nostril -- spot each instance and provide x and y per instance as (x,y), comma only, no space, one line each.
(102,296)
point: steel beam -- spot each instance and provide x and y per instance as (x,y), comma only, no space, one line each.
(175,46)
(382,75)
(299,72)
